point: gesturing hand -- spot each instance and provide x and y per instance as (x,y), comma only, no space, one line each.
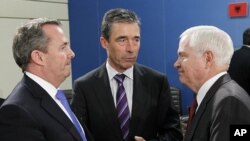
(137,138)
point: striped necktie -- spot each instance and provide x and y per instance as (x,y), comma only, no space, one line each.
(122,106)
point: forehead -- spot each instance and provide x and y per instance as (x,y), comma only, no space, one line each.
(185,49)
(52,29)
(54,32)
(183,45)
(124,28)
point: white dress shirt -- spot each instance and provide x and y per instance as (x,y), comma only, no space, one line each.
(206,86)
(127,83)
(49,88)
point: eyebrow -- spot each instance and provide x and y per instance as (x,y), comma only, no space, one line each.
(181,53)
(121,37)
(64,43)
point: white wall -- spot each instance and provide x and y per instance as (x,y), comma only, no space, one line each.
(12,14)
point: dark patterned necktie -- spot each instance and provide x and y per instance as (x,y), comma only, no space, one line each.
(61,97)
(192,111)
(122,106)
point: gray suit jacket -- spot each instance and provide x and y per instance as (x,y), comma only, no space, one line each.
(153,117)
(30,114)
(225,103)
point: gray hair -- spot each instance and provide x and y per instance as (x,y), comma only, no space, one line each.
(210,38)
(29,37)
(118,15)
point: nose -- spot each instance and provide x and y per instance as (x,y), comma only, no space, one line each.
(131,45)
(71,53)
(177,64)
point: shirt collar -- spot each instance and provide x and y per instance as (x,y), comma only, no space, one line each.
(49,88)
(112,72)
(206,86)
(246,46)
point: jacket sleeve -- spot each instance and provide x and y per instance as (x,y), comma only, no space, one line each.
(168,117)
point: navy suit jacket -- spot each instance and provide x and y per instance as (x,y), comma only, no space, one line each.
(225,104)
(152,115)
(30,114)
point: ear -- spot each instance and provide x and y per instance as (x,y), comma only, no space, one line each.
(37,57)
(209,58)
(104,42)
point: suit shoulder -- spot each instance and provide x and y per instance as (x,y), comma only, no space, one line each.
(88,75)
(231,89)
(20,96)
(149,71)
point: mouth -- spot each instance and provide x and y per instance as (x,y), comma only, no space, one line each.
(130,59)
(68,63)
(180,72)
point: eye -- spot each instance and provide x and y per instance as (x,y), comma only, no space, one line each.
(136,40)
(64,46)
(181,56)
(122,41)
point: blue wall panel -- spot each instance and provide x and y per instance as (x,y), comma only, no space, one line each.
(162,23)
(84,36)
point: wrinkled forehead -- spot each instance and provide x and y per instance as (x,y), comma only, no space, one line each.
(183,44)
(183,40)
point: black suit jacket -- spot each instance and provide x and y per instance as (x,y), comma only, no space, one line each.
(30,114)
(153,117)
(225,104)
(1,101)
(240,67)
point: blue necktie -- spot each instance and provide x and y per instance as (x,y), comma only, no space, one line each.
(122,106)
(60,96)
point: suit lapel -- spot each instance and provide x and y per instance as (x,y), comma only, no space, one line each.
(53,109)
(49,105)
(140,100)
(203,106)
(105,98)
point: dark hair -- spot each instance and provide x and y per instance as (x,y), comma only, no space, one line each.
(30,37)
(117,15)
(246,37)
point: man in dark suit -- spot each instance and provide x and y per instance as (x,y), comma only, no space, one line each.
(32,112)
(204,55)
(240,64)
(147,93)
(1,101)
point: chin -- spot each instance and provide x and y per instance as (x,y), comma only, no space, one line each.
(67,74)
(182,80)
(127,66)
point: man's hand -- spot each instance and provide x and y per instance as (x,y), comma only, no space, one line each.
(137,138)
